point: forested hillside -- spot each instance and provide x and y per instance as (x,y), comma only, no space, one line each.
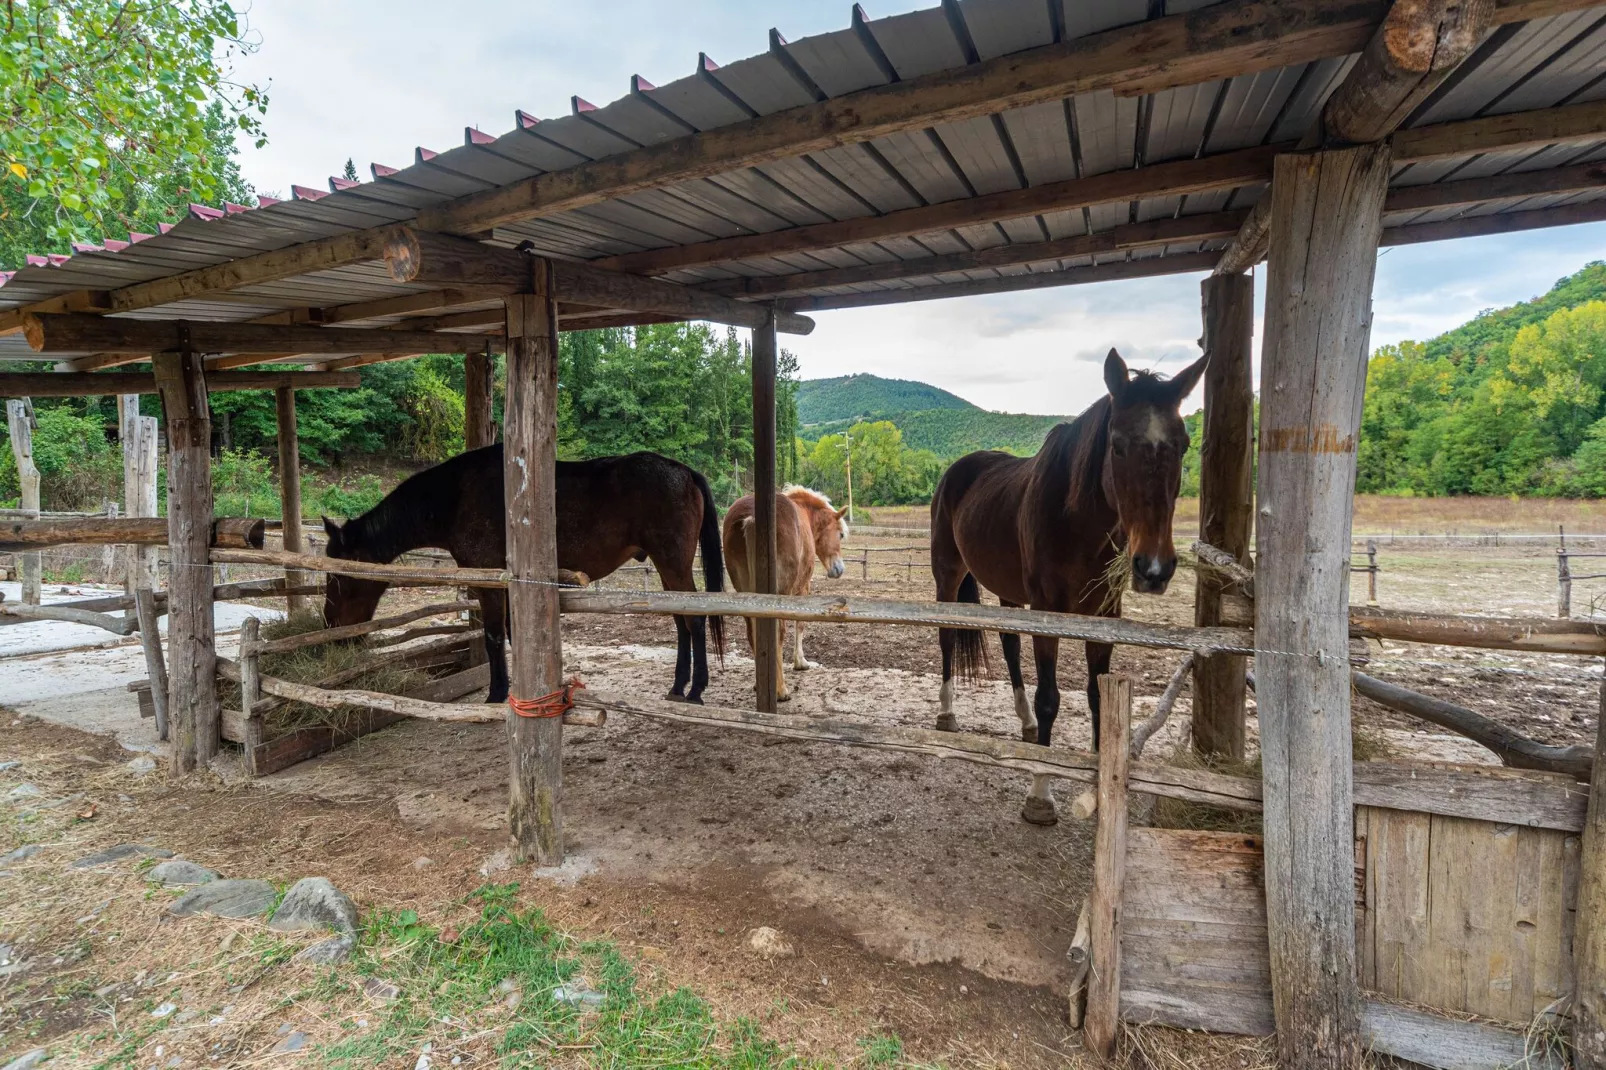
(951,433)
(851,397)
(1512,402)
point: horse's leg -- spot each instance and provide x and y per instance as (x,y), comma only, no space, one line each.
(493,614)
(948,581)
(799,662)
(677,693)
(1039,808)
(1098,663)
(699,658)
(1011,644)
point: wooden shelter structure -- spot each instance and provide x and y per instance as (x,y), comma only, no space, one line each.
(979,146)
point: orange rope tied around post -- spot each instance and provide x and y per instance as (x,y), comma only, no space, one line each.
(556,704)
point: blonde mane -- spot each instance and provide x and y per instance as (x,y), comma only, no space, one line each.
(813,498)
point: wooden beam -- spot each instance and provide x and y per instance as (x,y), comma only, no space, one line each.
(1589,928)
(1121,269)
(1570,125)
(233,533)
(420,256)
(90,384)
(1127,236)
(68,332)
(381,308)
(535,744)
(1222,171)
(1500,223)
(1513,185)
(96,361)
(1226,500)
(1419,43)
(194,712)
(767,683)
(1326,218)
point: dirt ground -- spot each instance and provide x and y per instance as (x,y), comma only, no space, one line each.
(919,904)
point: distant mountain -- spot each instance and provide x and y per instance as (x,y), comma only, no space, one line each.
(951,433)
(850,396)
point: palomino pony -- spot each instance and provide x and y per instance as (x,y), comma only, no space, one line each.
(806,526)
(610,510)
(1046,532)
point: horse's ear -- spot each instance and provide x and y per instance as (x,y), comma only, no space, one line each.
(1115,377)
(1184,381)
(842,512)
(331,528)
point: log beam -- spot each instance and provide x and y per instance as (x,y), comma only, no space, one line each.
(535,744)
(420,256)
(1326,217)
(19,536)
(88,384)
(69,333)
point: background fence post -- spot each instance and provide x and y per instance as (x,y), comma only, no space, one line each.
(20,423)
(1564,575)
(140,451)
(1371,571)
(290,491)
(766,633)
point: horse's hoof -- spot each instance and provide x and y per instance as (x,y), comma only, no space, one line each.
(785,696)
(1028,733)
(805,666)
(675,696)
(693,700)
(1039,811)
(947,722)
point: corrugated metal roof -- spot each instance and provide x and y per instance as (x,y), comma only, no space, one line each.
(1551,61)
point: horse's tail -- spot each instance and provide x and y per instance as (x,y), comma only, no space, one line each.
(713,560)
(970,653)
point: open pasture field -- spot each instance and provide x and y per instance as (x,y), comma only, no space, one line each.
(927,923)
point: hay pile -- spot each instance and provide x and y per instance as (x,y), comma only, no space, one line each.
(318,665)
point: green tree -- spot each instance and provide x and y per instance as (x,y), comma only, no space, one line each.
(99,99)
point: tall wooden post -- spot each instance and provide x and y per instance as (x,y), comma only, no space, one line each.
(530,434)
(191,651)
(290,490)
(1109,866)
(767,635)
(19,422)
(1589,926)
(139,486)
(1326,218)
(1226,499)
(478,428)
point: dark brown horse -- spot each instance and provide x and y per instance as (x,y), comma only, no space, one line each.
(1046,532)
(610,510)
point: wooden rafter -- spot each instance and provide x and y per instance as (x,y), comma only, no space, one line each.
(69,332)
(87,384)
(1475,226)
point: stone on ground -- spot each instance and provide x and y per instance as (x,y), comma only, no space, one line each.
(227,899)
(314,903)
(28,1060)
(141,765)
(179,873)
(294,1042)
(328,952)
(22,853)
(769,943)
(120,853)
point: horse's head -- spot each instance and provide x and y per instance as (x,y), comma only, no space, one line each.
(348,599)
(826,527)
(1143,463)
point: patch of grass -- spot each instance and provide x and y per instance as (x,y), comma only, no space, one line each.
(882,1049)
(495,985)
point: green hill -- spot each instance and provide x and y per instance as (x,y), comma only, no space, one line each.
(849,396)
(951,433)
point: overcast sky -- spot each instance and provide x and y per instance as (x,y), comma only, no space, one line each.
(371,79)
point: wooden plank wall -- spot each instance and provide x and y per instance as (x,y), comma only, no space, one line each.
(1466,916)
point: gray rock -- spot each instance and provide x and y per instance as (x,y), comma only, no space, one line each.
(141,765)
(314,903)
(227,899)
(26,851)
(380,991)
(23,791)
(328,952)
(294,1042)
(179,873)
(28,1060)
(8,766)
(121,852)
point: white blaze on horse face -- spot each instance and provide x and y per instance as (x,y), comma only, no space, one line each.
(1156,434)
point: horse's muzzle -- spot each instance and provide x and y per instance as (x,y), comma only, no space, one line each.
(1151,575)
(835,568)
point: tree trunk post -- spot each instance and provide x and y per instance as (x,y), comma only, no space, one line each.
(290,491)
(1564,576)
(191,645)
(1326,218)
(19,422)
(479,430)
(767,644)
(1109,866)
(1589,926)
(1226,500)
(150,640)
(140,452)
(535,788)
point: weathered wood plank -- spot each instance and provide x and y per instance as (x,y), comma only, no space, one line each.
(352,631)
(1105,910)
(1589,931)
(236,533)
(150,640)
(69,332)
(86,384)
(19,425)
(289,488)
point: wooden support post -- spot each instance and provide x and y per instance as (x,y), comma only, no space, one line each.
(290,491)
(251,690)
(1226,500)
(150,639)
(767,634)
(1589,928)
(19,422)
(1326,217)
(1109,866)
(479,430)
(1564,575)
(191,645)
(530,430)
(140,451)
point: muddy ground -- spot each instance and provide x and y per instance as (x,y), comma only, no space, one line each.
(918,901)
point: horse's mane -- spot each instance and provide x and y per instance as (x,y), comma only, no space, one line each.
(414,514)
(814,498)
(1078,447)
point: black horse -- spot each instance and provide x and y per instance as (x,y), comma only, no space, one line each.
(610,510)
